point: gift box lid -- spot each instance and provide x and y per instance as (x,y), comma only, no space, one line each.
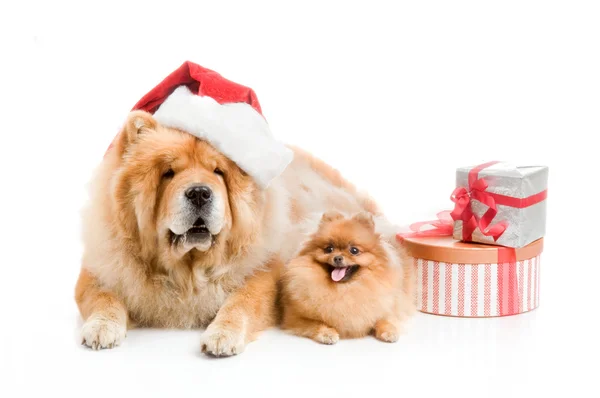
(449,250)
(507,179)
(506,169)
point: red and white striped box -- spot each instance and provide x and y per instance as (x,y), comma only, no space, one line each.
(475,280)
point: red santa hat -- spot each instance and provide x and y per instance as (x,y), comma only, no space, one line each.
(226,114)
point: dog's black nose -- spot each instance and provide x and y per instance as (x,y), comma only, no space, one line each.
(199,195)
(338,259)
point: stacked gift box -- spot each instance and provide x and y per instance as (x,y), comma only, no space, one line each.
(483,258)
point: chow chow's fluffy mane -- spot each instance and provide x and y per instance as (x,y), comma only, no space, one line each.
(129,183)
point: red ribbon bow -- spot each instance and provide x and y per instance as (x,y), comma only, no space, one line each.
(443,226)
(463,211)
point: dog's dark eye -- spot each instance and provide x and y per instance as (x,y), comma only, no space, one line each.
(329,249)
(354,250)
(168,174)
(219,171)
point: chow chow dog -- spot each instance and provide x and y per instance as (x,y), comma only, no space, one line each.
(176,235)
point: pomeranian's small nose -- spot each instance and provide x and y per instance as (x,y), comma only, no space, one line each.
(338,259)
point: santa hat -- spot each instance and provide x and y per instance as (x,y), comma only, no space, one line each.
(226,114)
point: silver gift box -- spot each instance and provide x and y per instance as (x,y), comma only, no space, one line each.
(525,225)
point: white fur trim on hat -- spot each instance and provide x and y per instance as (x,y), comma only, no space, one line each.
(235,129)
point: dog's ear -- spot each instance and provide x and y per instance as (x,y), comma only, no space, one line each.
(365,219)
(331,216)
(138,122)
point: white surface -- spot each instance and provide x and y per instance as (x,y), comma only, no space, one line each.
(396,98)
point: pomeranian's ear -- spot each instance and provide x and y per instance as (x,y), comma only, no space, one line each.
(331,216)
(365,219)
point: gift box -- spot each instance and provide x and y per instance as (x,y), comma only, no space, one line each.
(474,280)
(498,203)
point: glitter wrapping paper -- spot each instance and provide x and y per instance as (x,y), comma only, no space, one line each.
(523,224)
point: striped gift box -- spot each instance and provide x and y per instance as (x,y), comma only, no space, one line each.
(474,280)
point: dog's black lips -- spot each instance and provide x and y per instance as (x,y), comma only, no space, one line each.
(351,270)
(199,227)
(198,232)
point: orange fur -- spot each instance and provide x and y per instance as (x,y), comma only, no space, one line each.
(91,299)
(252,307)
(377,298)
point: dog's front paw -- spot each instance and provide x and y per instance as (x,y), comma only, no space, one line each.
(387,332)
(388,336)
(99,332)
(222,342)
(327,335)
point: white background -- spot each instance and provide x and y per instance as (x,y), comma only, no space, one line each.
(394,94)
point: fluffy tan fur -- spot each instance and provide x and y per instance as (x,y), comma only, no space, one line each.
(131,272)
(377,298)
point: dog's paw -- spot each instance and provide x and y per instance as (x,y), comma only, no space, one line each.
(327,336)
(99,332)
(222,342)
(388,333)
(388,336)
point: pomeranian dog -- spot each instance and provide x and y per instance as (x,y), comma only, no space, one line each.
(347,281)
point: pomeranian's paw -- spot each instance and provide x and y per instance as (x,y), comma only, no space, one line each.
(100,332)
(388,336)
(222,342)
(327,335)
(385,331)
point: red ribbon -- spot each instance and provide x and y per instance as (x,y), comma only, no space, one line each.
(507,281)
(441,227)
(462,198)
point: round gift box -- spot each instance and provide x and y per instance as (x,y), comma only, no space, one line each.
(474,280)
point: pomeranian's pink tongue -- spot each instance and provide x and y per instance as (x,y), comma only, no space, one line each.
(338,273)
